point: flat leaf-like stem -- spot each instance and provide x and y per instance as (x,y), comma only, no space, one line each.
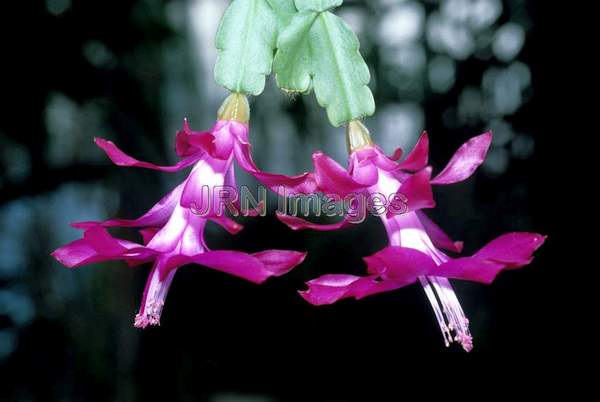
(318,50)
(317,5)
(245,44)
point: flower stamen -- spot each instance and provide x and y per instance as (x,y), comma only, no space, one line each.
(454,318)
(154,298)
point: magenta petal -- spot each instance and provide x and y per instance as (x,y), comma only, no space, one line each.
(509,251)
(279,183)
(328,289)
(295,223)
(103,242)
(417,192)
(148,234)
(225,137)
(228,224)
(121,159)
(158,215)
(401,264)
(98,246)
(418,158)
(188,142)
(514,249)
(397,154)
(200,191)
(280,262)
(332,178)
(236,263)
(77,253)
(364,172)
(387,163)
(438,237)
(470,269)
(105,245)
(465,161)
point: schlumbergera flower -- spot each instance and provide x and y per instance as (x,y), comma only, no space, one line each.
(173,230)
(416,243)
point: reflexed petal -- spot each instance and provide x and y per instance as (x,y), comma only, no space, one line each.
(253,268)
(418,158)
(397,155)
(121,159)
(98,246)
(514,249)
(438,237)
(200,186)
(296,223)
(188,142)
(465,161)
(77,253)
(470,269)
(509,251)
(158,215)
(148,234)
(280,262)
(363,171)
(417,192)
(228,224)
(401,264)
(103,242)
(333,178)
(328,289)
(387,163)
(279,183)
(225,138)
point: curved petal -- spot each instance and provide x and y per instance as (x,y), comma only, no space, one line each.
(415,192)
(148,233)
(509,251)
(364,171)
(397,155)
(281,184)
(199,191)
(98,246)
(470,269)
(418,158)
(465,161)
(280,262)
(230,182)
(254,268)
(438,237)
(417,189)
(332,178)
(158,215)
(401,264)
(77,253)
(328,289)
(188,142)
(119,158)
(225,138)
(387,163)
(295,223)
(228,224)
(514,249)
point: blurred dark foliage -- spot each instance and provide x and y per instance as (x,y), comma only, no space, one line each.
(222,339)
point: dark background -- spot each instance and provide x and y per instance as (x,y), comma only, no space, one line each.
(131,70)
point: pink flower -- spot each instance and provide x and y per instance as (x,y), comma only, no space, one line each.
(173,231)
(414,253)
